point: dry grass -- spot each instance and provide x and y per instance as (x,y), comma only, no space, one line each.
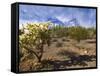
(64,54)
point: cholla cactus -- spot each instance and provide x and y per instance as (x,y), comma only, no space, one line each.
(34,37)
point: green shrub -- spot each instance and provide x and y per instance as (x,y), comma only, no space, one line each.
(59,31)
(34,37)
(92,32)
(78,33)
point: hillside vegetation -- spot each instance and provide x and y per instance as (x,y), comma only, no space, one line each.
(44,47)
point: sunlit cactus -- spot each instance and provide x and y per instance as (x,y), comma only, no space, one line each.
(34,37)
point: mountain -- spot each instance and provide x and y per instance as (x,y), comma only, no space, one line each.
(55,21)
(71,22)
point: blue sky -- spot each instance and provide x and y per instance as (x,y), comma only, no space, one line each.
(33,13)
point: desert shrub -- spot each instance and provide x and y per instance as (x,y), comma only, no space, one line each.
(64,39)
(54,40)
(92,32)
(78,33)
(34,37)
(59,31)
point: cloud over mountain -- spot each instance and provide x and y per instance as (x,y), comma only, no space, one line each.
(57,15)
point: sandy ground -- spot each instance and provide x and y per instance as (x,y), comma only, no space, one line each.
(66,54)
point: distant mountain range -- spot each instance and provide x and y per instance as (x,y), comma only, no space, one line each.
(58,15)
(72,22)
(40,18)
(55,21)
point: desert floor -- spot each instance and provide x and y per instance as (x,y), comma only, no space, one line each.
(64,54)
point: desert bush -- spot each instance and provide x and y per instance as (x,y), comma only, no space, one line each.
(59,31)
(92,32)
(78,33)
(54,40)
(34,37)
(64,39)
